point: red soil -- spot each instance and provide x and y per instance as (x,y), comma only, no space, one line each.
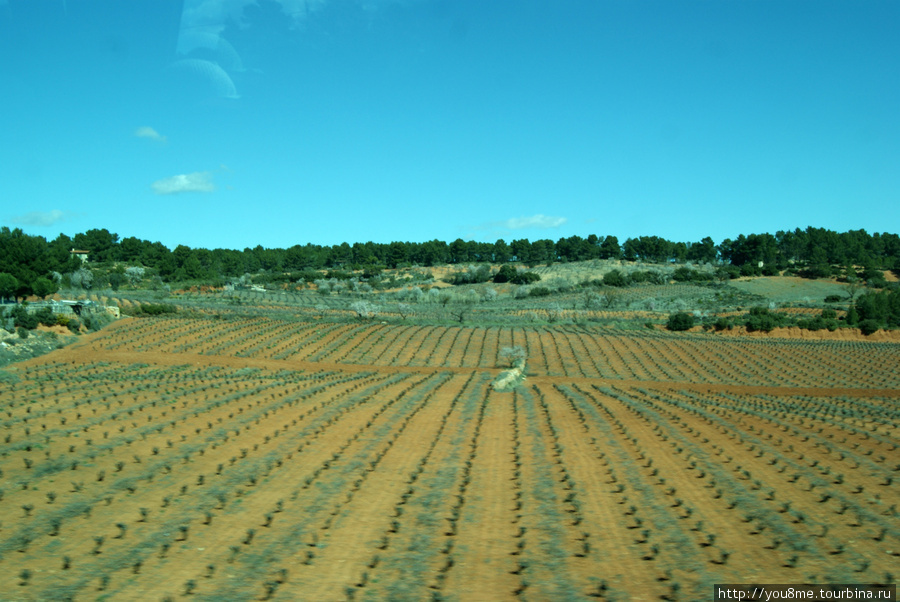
(640,466)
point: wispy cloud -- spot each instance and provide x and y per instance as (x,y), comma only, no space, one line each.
(149,132)
(42,218)
(199,181)
(538,221)
(532,222)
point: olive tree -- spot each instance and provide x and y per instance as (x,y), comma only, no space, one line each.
(554,312)
(134,275)
(513,356)
(82,278)
(404,309)
(364,309)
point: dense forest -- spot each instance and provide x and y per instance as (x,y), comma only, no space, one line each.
(28,263)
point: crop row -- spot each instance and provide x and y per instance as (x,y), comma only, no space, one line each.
(571,351)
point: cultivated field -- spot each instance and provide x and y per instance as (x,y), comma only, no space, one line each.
(240,457)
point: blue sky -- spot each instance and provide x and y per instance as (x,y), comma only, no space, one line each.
(233,123)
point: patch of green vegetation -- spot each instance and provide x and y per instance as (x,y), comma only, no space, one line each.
(784,290)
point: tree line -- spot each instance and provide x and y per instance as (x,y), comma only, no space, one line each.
(27,262)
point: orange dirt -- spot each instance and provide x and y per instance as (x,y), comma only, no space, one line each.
(279,460)
(841,334)
(60,330)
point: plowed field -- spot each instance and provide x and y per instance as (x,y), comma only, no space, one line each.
(262,459)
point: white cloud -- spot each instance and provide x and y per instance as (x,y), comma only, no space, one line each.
(42,218)
(148,132)
(535,221)
(199,181)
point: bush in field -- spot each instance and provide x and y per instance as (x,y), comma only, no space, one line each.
(512,356)
(522,292)
(818,323)
(153,309)
(404,309)
(45,316)
(512,378)
(510,274)
(761,319)
(364,310)
(134,275)
(523,277)
(21,318)
(615,278)
(723,323)
(869,326)
(539,291)
(883,307)
(728,272)
(680,321)
(638,276)
(82,278)
(593,300)
(473,275)
(73,324)
(97,320)
(411,294)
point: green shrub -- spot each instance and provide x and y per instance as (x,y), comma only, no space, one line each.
(829,314)
(811,324)
(23,333)
(615,278)
(45,316)
(153,309)
(680,321)
(883,307)
(762,320)
(723,323)
(869,326)
(482,273)
(728,272)
(510,274)
(96,320)
(506,273)
(23,319)
(749,269)
(833,299)
(539,291)
(639,276)
(526,278)
(683,274)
